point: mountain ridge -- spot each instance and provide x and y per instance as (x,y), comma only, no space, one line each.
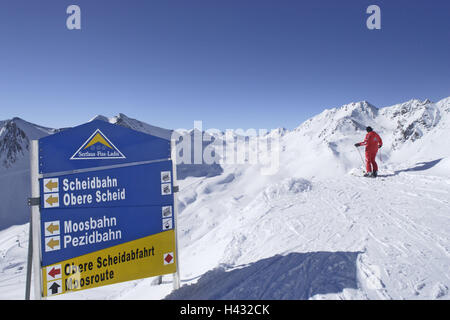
(323,139)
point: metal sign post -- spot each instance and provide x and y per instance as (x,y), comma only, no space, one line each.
(176,275)
(29,261)
(34,254)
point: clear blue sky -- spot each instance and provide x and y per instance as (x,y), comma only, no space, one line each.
(230,63)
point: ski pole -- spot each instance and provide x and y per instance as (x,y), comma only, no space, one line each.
(360,156)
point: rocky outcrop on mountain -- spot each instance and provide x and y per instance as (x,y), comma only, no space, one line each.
(13,143)
(412,119)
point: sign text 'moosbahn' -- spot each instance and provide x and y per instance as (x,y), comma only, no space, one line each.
(93,236)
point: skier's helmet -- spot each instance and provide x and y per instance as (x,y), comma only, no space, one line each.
(368,129)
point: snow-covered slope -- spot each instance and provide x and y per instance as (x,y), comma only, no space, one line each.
(393,230)
(310,230)
(398,225)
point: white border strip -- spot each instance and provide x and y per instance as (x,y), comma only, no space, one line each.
(113,166)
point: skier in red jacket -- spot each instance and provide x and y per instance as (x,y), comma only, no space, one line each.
(372,142)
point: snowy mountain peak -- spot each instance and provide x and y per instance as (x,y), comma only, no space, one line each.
(347,119)
(361,107)
(15,136)
(100,117)
(407,121)
(411,120)
(122,120)
(127,122)
(354,109)
(13,142)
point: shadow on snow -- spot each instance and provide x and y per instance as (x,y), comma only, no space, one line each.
(293,276)
(420,166)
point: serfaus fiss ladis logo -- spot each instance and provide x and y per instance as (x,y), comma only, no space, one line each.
(97,147)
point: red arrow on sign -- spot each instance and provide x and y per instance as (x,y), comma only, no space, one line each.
(54,272)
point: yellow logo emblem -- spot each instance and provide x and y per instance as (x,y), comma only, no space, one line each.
(97,146)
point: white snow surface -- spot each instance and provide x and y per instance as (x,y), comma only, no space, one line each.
(315,229)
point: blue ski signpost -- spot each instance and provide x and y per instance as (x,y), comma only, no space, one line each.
(106,209)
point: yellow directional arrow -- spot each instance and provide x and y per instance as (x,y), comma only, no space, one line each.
(51,200)
(51,184)
(53,243)
(53,227)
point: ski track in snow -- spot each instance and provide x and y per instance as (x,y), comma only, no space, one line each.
(404,240)
(399,225)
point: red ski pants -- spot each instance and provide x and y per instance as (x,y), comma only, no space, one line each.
(371,164)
